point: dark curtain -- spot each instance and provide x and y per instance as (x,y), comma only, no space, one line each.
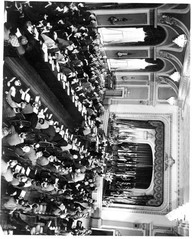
(137,163)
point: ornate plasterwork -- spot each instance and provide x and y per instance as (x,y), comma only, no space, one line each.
(165,54)
(169,81)
(173,22)
(172,8)
(166,206)
(164,19)
(169,161)
(179,148)
(171,58)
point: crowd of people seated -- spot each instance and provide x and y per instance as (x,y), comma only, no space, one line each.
(68,40)
(45,169)
(48,172)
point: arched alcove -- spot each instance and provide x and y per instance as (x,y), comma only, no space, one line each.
(143,36)
(139,65)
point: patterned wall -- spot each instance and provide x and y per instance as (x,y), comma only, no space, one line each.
(158,164)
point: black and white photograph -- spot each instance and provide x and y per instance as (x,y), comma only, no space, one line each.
(95,106)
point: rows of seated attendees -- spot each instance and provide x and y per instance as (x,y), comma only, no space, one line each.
(69,41)
(45,169)
(49,173)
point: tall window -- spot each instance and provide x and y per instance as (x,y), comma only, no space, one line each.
(120,35)
(129,64)
(140,35)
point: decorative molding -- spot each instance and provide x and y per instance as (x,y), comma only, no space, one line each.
(171,69)
(164,19)
(173,22)
(127,73)
(167,29)
(171,58)
(120,11)
(173,9)
(169,81)
(174,58)
(171,47)
(169,161)
(166,7)
(165,54)
(179,156)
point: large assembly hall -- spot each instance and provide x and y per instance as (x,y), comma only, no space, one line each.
(95,119)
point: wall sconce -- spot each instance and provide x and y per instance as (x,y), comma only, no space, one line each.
(172,101)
